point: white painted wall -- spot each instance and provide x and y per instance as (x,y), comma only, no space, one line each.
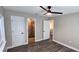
(39,28)
(66,30)
(1,10)
(9,13)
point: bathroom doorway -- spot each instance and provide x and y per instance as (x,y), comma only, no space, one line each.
(31,31)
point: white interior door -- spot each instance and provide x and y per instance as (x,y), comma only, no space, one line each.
(18,31)
(46,30)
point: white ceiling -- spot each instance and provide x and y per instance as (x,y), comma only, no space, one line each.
(39,11)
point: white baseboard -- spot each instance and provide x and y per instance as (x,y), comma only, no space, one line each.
(2,46)
(9,47)
(15,46)
(38,40)
(66,45)
(23,44)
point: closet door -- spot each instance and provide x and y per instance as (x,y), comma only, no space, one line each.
(18,31)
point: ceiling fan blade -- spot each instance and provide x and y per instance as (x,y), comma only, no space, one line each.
(45,13)
(43,8)
(57,12)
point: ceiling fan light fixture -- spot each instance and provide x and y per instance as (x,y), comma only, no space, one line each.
(49,14)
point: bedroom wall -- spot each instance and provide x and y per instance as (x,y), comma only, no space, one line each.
(66,30)
(1,10)
(9,13)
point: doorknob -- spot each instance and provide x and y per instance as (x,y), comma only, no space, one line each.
(22,32)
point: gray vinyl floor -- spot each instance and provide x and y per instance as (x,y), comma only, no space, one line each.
(42,46)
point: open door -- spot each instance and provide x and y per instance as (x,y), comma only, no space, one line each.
(31,31)
(46,29)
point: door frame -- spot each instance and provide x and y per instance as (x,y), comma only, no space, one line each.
(27,27)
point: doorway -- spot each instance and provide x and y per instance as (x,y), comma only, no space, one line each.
(31,31)
(48,30)
(51,29)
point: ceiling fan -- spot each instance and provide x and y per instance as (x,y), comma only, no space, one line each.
(49,12)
